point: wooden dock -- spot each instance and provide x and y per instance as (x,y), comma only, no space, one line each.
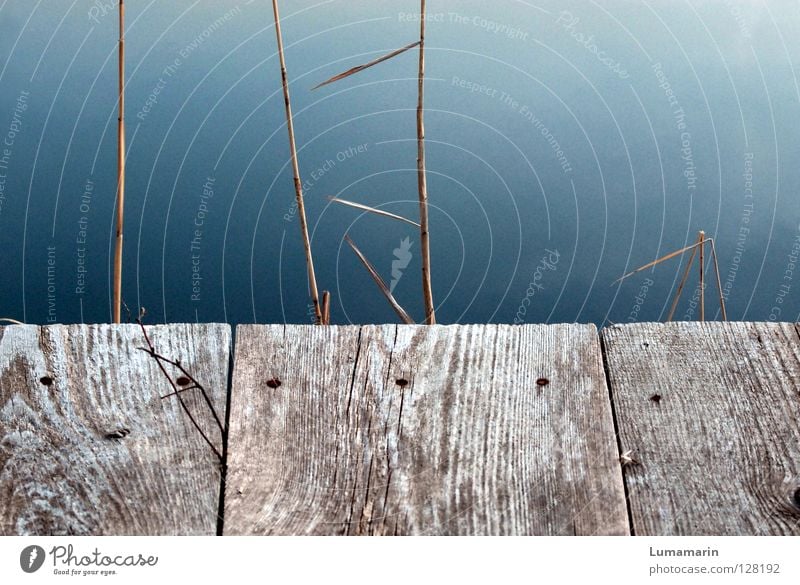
(645,429)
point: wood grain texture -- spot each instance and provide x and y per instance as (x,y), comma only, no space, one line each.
(62,471)
(712,413)
(324,440)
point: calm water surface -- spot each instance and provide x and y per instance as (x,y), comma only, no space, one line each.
(568,143)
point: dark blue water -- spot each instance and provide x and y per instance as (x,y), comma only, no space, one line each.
(568,143)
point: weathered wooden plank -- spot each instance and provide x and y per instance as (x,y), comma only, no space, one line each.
(711,411)
(66,391)
(327,438)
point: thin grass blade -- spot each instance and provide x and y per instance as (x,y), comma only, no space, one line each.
(401,312)
(363,207)
(360,68)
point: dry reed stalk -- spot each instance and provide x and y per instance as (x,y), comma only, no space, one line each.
(719,281)
(702,240)
(401,312)
(326,308)
(360,68)
(12,321)
(422,181)
(298,185)
(117,304)
(373,210)
(701,237)
(681,285)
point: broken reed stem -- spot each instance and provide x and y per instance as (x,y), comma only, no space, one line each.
(117,301)
(422,182)
(401,312)
(655,262)
(326,308)
(681,285)
(719,282)
(298,185)
(701,239)
(176,391)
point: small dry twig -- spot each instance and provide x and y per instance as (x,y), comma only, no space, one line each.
(191,383)
(628,459)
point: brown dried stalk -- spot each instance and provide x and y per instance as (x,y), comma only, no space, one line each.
(702,240)
(117,305)
(719,281)
(681,285)
(401,312)
(422,181)
(298,184)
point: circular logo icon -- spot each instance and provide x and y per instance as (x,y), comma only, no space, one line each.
(32,558)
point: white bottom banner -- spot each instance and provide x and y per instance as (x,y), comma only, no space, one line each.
(197,560)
